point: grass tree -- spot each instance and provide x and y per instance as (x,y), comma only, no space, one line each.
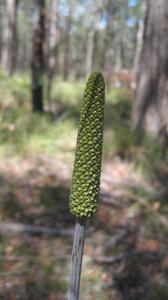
(87,170)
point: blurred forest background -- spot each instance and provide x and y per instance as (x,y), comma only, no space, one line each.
(47,50)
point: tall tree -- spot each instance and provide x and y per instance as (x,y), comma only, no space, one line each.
(90,48)
(109,11)
(111,7)
(4,34)
(9,36)
(85,27)
(38,56)
(66,46)
(13,5)
(119,51)
(138,50)
(139,15)
(150,111)
(25,32)
(2,4)
(52,42)
(96,13)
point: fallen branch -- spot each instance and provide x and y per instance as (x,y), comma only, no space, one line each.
(29,258)
(34,229)
(111,259)
(122,256)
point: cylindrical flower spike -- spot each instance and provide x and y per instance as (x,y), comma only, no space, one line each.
(88,155)
(86,173)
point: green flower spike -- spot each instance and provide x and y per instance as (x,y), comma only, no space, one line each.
(88,155)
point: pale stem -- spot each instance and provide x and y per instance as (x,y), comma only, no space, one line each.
(76,259)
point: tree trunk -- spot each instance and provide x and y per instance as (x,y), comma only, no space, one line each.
(105,46)
(2,5)
(138,50)
(12,42)
(119,56)
(150,111)
(38,57)
(5,32)
(89,53)
(9,37)
(52,44)
(66,47)
(139,41)
(110,8)
(91,41)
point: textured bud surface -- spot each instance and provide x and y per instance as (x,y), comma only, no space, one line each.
(88,155)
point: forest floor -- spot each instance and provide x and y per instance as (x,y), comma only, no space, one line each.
(125,250)
(125,255)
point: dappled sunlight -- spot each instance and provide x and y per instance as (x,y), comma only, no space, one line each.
(129,232)
(49,122)
(125,247)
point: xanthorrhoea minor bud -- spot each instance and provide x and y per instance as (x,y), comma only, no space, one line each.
(88,156)
(86,173)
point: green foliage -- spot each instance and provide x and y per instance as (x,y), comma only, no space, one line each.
(118,138)
(67,92)
(88,156)
(158,292)
(15,91)
(24,133)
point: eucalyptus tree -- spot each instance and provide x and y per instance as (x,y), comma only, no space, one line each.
(38,56)
(94,18)
(9,35)
(52,42)
(150,112)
